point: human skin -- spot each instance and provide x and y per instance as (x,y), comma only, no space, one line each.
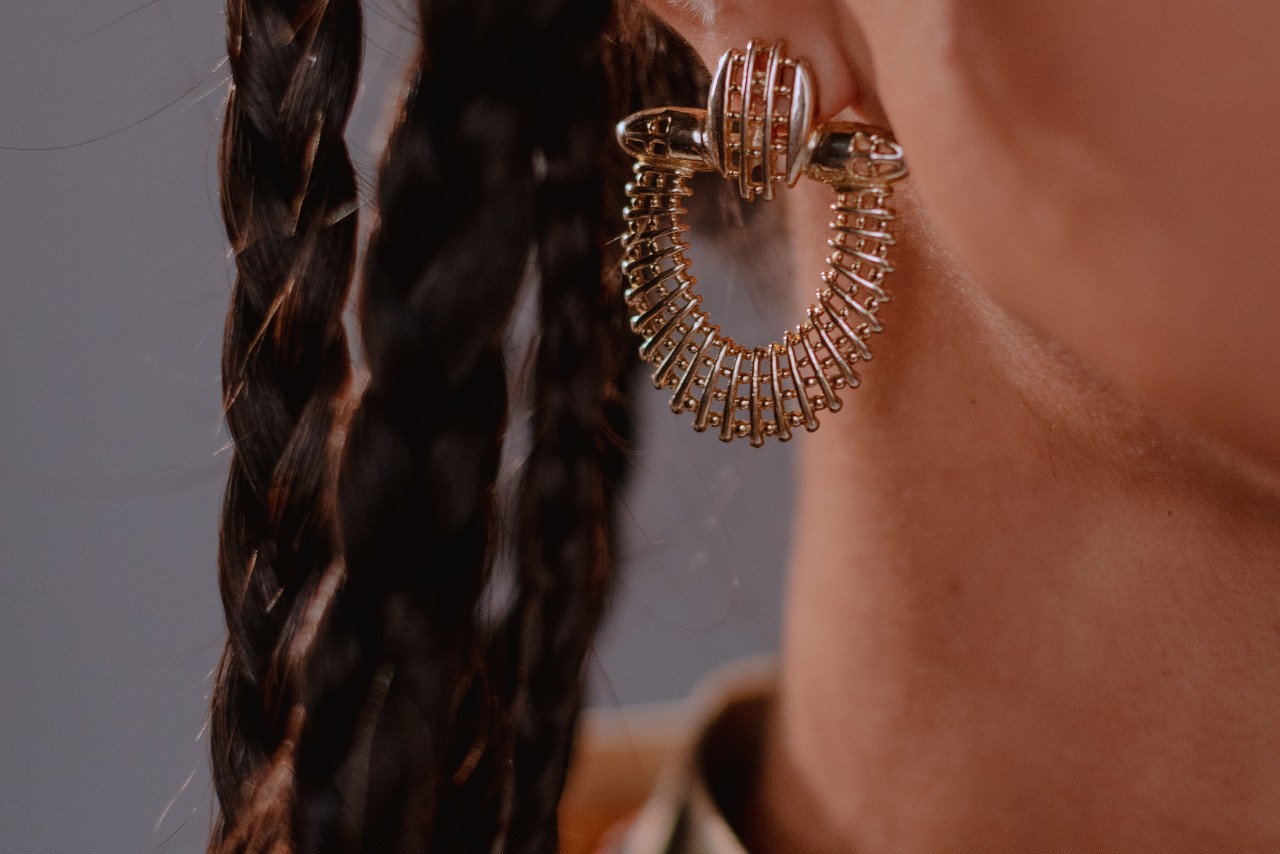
(1034,594)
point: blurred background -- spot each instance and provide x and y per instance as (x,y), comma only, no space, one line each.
(113,451)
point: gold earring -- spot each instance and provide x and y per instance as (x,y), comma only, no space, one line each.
(757,131)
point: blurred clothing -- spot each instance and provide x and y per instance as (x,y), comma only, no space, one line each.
(670,779)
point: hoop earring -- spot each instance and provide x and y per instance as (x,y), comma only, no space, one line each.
(757,132)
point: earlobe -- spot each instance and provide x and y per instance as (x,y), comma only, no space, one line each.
(814,29)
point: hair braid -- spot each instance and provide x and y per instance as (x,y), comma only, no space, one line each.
(584,363)
(404,721)
(416,725)
(288,195)
(576,459)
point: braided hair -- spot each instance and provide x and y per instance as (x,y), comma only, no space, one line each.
(397,708)
(288,194)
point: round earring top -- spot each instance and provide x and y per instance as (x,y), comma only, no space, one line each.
(759,116)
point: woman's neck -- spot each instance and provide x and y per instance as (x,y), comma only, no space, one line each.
(1023,614)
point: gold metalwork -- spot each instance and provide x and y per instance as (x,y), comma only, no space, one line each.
(756,132)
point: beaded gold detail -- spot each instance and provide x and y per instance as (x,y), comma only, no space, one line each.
(757,133)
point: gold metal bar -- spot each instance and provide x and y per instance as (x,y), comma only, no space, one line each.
(806,408)
(850,376)
(873,260)
(731,401)
(691,372)
(861,346)
(780,416)
(858,279)
(654,311)
(833,401)
(757,414)
(878,213)
(853,231)
(748,90)
(709,393)
(770,87)
(652,258)
(669,363)
(859,309)
(676,189)
(670,231)
(650,344)
(647,285)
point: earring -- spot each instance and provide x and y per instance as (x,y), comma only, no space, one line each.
(757,132)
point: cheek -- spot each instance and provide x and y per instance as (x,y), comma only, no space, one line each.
(1105,170)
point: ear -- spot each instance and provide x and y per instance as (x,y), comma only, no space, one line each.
(820,31)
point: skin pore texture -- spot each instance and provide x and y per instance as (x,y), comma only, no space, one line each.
(1034,594)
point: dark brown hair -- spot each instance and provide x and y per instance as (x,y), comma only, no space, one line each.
(385,687)
(288,192)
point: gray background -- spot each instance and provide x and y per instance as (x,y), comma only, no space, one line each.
(112,449)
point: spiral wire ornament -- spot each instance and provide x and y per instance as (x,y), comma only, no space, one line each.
(757,133)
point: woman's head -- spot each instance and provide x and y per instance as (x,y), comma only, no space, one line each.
(400,676)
